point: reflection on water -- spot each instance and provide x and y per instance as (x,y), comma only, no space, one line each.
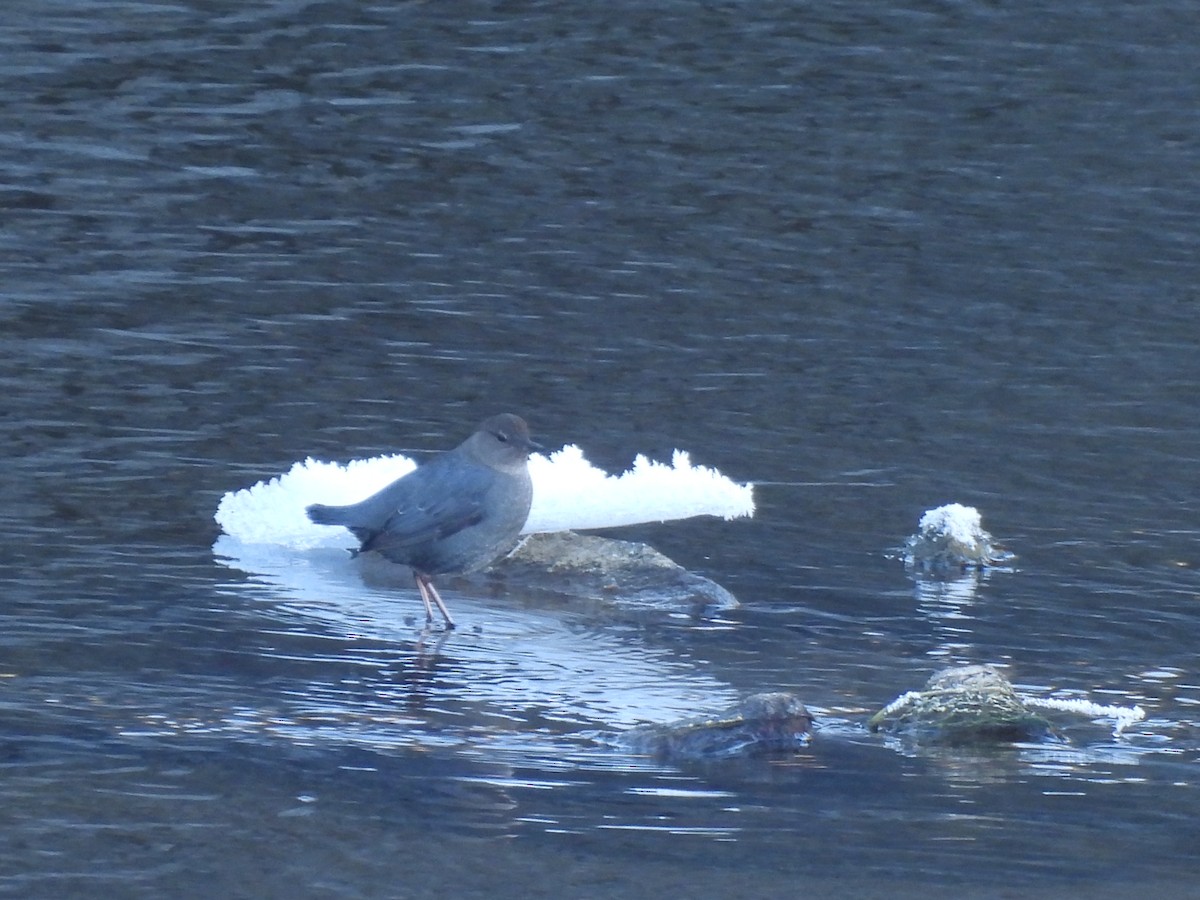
(529,665)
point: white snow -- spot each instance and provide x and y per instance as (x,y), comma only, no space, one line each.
(905,699)
(955,521)
(569,493)
(951,538)
(1122,716)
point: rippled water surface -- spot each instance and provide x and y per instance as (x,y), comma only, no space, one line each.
(872,257)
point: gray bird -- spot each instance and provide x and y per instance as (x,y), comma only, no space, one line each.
(454,514)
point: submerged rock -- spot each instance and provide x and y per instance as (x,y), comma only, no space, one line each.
(758,724)
(962,705)
(582,565)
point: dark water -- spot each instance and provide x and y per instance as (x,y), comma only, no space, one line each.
(874,257)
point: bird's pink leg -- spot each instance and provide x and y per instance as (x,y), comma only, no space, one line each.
(424,598)
(428,592)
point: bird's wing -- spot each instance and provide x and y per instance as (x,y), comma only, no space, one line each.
(447,501)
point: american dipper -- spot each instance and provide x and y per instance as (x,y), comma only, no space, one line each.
(454,514)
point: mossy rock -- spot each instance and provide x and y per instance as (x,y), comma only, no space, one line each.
(963,705)
(760,723)
(599,568)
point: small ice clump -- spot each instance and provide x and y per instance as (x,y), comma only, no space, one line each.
(951,539)
(569,493)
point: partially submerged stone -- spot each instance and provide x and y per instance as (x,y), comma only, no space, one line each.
(962,705)
(583,565)
(950,540)
(760,723)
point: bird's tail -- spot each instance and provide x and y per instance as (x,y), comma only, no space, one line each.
(321,514)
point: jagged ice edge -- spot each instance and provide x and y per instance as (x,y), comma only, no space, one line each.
(569,493)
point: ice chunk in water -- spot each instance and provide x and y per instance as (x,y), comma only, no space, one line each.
(569,493)
(951,538)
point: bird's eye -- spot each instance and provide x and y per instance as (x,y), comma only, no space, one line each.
(501,437)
